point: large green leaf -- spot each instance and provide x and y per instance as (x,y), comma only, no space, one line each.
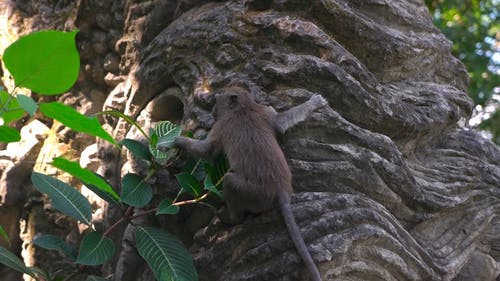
(135,191)
(167,131)
(89,178)
(10,109)
(64,198)
(189,184)
(46,62)
(8,134)
(10,260)
(52,242)
(95,249)
(75,120)
(165,254)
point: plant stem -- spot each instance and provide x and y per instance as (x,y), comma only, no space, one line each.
(196,200)
(143,213)
(192,201)
(126,217)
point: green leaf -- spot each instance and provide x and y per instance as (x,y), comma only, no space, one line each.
(89,178)
(4,235)
(161,157)
(135,191)
(64,198)
(10,260)
(95,278)
(166,131)
(102,194)
(209,185)
(128,119)
(46,62)
(75,120)
(217,170)
(137,148)
(52,242)
(27,103)
(166,208)
(95,249)
(9,108)
(8,134)
(153,136)
(162,138)
(195,167)
(189,184)
(165,254)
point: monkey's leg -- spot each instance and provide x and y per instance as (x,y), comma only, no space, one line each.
(287,119)
(244,197)
(233,185)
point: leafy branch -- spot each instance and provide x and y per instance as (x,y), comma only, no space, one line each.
(48,63)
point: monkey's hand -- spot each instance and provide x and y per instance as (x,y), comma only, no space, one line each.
(199,148)
(181,141)
(285,120)
(318,101)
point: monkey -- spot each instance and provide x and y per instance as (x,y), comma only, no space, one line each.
(259,176)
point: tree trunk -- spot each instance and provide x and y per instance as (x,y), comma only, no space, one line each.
(389,182)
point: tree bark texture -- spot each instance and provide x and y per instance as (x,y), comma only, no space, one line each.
(389,182)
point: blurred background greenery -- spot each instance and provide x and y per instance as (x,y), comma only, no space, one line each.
(474,28)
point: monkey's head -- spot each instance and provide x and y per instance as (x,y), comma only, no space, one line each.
(231,99)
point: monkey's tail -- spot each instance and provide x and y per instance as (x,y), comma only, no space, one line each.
(297,239)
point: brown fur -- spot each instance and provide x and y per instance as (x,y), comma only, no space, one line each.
(260,177)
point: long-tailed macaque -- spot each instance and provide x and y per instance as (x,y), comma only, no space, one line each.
(260,177)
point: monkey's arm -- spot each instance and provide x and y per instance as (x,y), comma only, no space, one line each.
(287,119)
(205,149)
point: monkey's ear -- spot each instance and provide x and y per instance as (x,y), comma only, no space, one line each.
(233,100)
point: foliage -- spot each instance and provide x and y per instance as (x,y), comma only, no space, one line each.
(11,110)
(95,249)
(75,120)
(492,124)
(8,134)
(4,235)
(165,254)
(64,197)
(87,177)
(474,28)
(52,242)
(47,62)
(135,191)
(9,259)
